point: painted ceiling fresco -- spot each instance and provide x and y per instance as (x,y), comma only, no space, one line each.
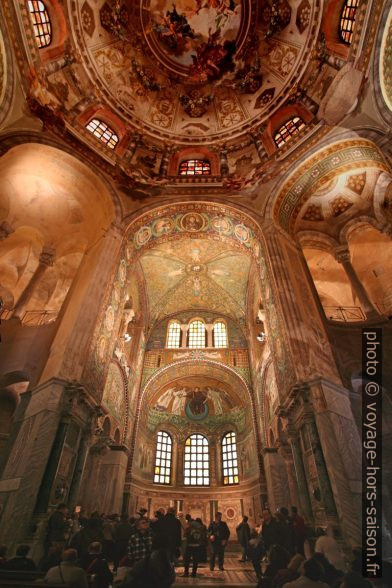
(195,68)
(198,273)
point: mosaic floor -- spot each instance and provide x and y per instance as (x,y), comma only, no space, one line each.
(235,574)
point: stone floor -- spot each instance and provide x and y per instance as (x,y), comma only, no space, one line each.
(236,574)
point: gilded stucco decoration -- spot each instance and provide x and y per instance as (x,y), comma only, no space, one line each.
(385,66)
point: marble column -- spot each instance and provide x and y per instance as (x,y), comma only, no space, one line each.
(184,335)
(342,255)
(84,446)
(287,457)
(111,478)
(5,230)
(163,167)
(305,505)
(322,472)
(46,259)
(209,329)
(256,136)
(276,477)
(223,162)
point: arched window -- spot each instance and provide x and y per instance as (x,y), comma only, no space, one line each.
(196,463)
(174,335)
(163,457)
(230,459)
(220,334)
(347,20)
(196,334)
(41,22)
(195,167)
(288,129)
(103,132)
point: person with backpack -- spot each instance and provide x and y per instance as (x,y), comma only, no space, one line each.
(196,538)
(96,567)
(243,536)
(218,533)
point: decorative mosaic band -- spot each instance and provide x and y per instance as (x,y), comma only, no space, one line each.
(335,159)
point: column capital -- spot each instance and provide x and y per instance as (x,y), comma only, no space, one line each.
(5,230)
(342,254)
(46,257)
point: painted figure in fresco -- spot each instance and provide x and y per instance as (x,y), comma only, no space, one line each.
(213,58)
(216,398)
(174,31)
(164,400)
(198,400)
(180,398)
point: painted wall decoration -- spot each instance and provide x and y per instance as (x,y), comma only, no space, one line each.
(114,394)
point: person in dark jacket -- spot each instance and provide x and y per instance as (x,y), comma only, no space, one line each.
(299,530)
(218,533)
(195,540)
(96,566)
(269,530)
(20,562)
(58,527)
(154,571)
(170,526)
(122,533)
(243,535)
(90,533)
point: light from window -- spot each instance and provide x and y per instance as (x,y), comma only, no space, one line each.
(41,23)
(196,335)
(220,334)
(196,465)
(174,335)
(195,167)
(288,129)
(103,132)
(347,20)
(163,458)
(230,459)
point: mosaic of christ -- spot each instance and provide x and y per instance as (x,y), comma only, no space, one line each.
(198,34)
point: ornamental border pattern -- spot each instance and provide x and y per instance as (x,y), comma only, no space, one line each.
(340,157)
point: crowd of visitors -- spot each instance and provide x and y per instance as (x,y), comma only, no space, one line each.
(140,552)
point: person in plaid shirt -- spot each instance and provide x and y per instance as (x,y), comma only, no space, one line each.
(139,545)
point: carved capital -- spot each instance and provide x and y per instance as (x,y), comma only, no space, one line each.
(342,254)
(5,230)
(47,256)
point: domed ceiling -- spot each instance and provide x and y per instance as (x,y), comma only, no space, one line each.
(195,69)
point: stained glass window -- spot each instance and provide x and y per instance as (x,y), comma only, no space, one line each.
(103,132)
(163,457)
(230,459)
(196,334)
(195,167)
(347,20)
(41,22)
(288,129)
(220,334)
(174,335)
(197,459)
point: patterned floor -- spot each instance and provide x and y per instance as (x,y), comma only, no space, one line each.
(235,574)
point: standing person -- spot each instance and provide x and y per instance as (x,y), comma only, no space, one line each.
(299,530)
(269,530)
(203,549)
(140,542)
(218,533)
(170,526)
(243,536)
(286,537)
(57,527)
(153,571)
(122,533)
(195,539)
(96,566)
(329,547)
(184,526)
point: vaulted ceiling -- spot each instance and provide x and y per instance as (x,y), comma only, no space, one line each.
(195,274)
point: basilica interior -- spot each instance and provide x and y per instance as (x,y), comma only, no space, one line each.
(195,227)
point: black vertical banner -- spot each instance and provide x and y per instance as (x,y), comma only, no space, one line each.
(372,453)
